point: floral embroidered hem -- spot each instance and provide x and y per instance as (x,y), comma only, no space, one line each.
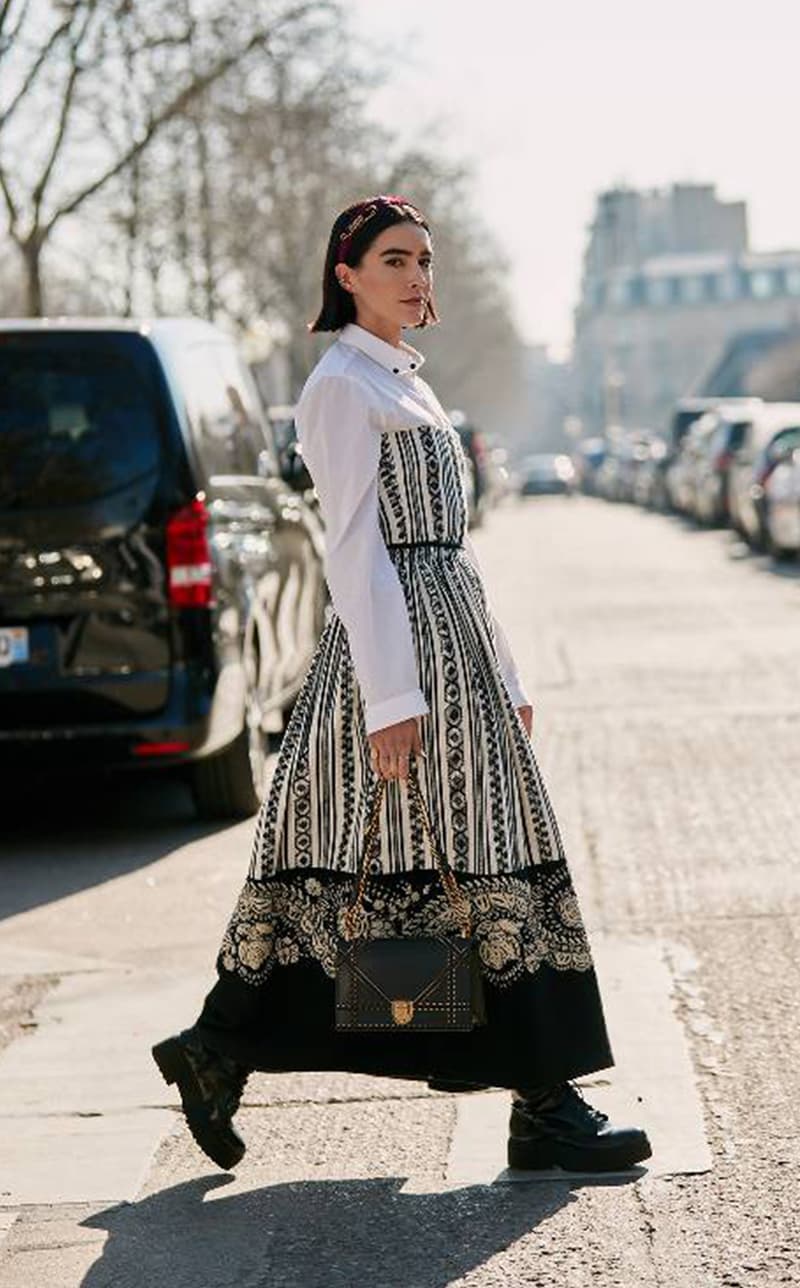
(520,921)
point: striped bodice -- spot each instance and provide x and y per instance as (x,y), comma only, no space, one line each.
(422,485)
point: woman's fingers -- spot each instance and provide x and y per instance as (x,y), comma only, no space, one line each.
(391,762)
(391,749)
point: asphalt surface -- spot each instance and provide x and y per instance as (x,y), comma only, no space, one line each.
(665,664)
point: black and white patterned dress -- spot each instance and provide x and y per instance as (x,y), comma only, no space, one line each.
(487,803)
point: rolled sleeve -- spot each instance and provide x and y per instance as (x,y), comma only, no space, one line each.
(505,656)
(342,451)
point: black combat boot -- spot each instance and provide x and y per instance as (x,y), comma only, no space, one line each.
(211,1087)
(556,1126)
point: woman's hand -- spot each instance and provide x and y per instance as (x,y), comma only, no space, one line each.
(526,716)
(392,746)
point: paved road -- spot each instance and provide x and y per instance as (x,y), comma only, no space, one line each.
(665,667)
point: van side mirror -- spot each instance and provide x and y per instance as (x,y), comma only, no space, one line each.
(293,468)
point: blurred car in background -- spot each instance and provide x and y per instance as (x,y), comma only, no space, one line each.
(685,464)
(685,412)
(588,456)
(546,474)
(476,452)
(291,465)
(782,505)
(649,486)
(161,584)
(768,441)
(728,424)
(627,450)
(501,484)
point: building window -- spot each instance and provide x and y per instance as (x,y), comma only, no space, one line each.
(659,291)
(792,280)
(692,290)
(727,286)
(762,284)
(620,294)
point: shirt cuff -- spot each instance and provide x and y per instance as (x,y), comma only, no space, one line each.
(380,714)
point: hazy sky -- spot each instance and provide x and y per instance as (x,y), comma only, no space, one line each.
(552,102)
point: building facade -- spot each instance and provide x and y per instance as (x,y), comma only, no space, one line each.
(668,280)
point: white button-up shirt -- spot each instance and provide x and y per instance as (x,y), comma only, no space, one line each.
(361,386)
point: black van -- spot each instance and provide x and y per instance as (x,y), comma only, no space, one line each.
(161,575)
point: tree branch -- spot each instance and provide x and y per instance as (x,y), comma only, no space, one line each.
(38,63)
(5,14)
(75,72)
(11,207)
(173,109)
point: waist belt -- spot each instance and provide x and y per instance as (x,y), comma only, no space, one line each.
(408,545)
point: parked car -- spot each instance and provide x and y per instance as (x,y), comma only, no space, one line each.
(626,452)
(769,440)
(500,483)
(476,452)
(291,465)
(649,487)
(546,474)
(161,585)
(588,456)
(682,472)
(782,505)
(609,475)
(686,413)
(711,484)
(635,452)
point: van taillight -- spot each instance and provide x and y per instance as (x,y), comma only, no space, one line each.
(189,557)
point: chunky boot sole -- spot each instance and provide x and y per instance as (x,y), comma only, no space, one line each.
(220,1146)
(531,1154)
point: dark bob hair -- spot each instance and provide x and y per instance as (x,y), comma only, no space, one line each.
(338,305)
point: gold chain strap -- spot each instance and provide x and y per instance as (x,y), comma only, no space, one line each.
(457,899)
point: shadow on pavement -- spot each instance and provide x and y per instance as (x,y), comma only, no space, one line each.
(62,836)
(316,1234)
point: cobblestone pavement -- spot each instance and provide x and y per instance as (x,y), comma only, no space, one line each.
(665,665)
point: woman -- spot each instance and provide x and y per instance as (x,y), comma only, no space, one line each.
(412,673)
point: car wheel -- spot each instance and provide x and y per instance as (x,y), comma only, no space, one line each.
(781,554)
(231,783)
(222,786)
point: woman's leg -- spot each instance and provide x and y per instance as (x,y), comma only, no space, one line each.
(211,1082)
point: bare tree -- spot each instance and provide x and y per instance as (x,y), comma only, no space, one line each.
(146,64)
(200,153)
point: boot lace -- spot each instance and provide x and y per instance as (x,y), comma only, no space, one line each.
(596,1115)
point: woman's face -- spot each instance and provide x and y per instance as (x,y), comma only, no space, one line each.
(391,284)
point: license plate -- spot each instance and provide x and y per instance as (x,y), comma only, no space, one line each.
(14,645)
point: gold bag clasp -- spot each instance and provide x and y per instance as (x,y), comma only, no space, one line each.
(402,1011)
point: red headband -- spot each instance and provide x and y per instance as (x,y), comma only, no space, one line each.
(365,211)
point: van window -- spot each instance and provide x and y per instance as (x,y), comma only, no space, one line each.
(223,410)
(79,417)
(784,444)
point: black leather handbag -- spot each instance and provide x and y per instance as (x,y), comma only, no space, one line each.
(411,985)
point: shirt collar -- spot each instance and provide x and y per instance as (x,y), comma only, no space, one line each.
(399,360)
